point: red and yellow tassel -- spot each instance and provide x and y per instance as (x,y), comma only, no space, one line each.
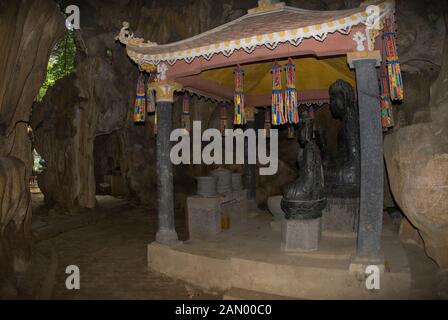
(140,100)
(278,113)
(150,99)
(291,103)
(238,98)
(393,66)
(387,120)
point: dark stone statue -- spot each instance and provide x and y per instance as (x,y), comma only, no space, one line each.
(342,170)
(304,197)
(321,140)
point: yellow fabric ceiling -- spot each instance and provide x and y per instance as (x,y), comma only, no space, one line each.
(311,73)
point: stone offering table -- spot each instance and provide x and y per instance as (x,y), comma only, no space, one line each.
(204,213)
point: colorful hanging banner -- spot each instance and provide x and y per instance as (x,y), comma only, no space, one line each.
(185,118)
(150,99)
(395,80)
(291,101)
(140,100)
(267,121)
(278,113)
(223,119)
(238,98)
(385,104)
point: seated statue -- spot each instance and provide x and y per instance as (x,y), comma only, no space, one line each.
(304,197)
(342,170)
(321,140)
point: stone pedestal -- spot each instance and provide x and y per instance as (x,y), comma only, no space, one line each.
(204,213)
(301,235)
(204,216)
(236,208)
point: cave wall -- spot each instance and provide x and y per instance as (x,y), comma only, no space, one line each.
(93,101)
(416,151)
(28,32)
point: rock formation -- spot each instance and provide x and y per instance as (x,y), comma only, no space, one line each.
(15,215)
(28,32)
(416,152)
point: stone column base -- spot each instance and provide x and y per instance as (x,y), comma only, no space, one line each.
(301,235)
(359,266)
(167,237)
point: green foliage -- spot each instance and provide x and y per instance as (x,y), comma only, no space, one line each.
(61,63)
(38,161)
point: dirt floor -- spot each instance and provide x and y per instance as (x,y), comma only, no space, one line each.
(110,252)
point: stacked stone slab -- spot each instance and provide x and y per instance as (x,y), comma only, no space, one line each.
(219,194)
(207,186)
(224,184)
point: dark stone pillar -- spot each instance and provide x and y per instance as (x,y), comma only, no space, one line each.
(165,189)
(250,173)
(372,171)
(166,233)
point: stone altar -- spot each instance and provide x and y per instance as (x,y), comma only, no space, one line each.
(204,213)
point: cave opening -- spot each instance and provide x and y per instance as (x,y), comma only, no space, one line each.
(109,167)
(61,62)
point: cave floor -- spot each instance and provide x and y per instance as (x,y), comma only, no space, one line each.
(111,254)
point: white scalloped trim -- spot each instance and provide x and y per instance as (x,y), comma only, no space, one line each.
(271,40)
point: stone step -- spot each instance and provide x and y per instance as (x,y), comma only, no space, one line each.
(249,257)
(243,294)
